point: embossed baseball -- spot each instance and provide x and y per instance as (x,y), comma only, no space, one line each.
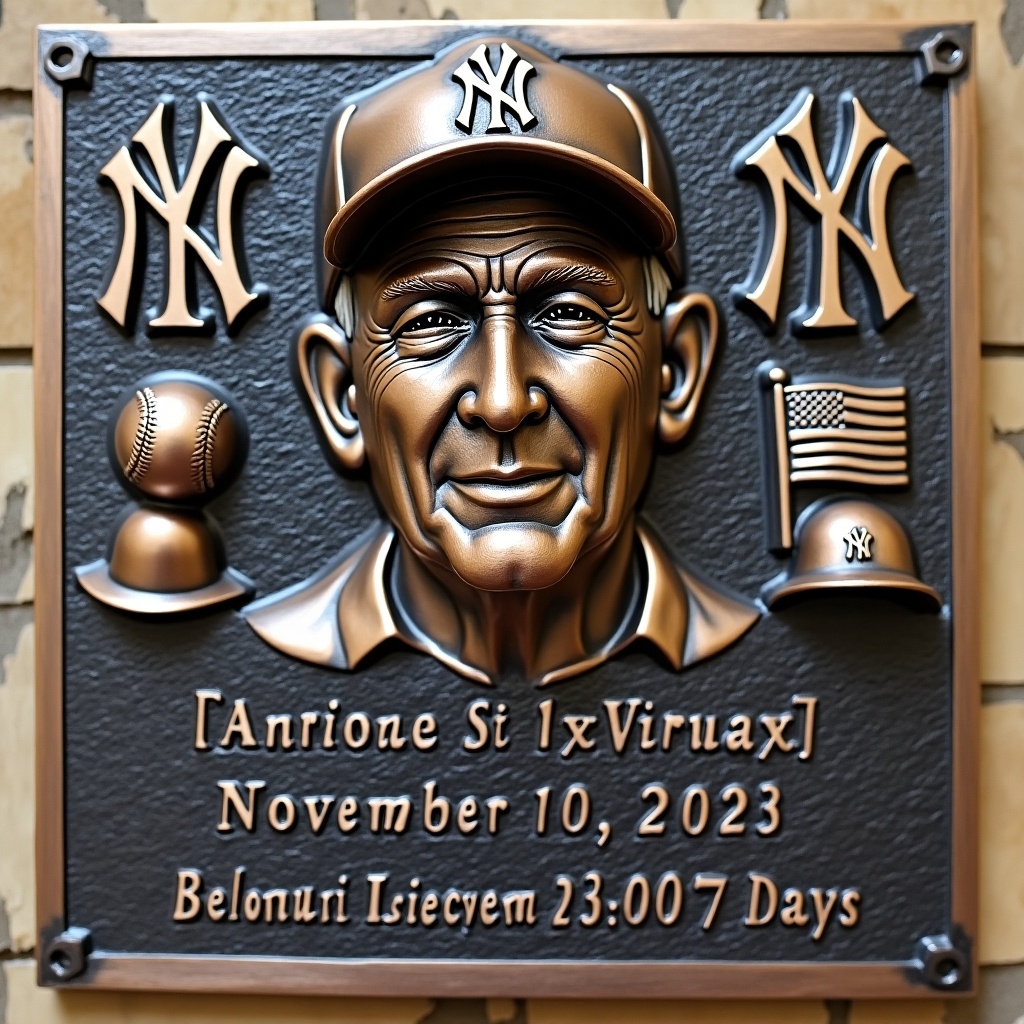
(177,438)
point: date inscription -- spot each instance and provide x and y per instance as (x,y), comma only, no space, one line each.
(749,811)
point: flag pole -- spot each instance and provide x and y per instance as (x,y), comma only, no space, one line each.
(771,382)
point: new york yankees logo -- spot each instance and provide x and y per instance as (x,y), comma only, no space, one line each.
(858,544)
(147,174)
(862,154)
(476,76)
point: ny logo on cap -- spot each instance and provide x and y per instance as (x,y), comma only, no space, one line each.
(476,76)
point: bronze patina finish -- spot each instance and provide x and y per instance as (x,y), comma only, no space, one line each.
(506,355)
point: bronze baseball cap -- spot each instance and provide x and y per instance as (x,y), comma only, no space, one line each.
(851,545)
(485,107)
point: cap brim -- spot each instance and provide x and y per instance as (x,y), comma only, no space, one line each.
(785,590)
(369,210)
(95,580)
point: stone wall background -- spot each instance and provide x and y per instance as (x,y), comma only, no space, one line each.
(1000,51)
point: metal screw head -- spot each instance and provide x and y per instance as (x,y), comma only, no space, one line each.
(69,62)
(942,964)
(943,56)
(67,955)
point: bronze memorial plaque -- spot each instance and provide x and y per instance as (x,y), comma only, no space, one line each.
(507,497)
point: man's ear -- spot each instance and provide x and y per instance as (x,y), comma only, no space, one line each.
(323,365)
(689,327)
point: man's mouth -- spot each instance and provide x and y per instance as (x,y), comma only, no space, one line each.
(513,487)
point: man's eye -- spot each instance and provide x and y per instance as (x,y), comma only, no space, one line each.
(564,322)
(567,314)
(428,333)
(428,324)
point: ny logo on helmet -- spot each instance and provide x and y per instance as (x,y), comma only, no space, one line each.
(475,75)
(147,175)
(782,158)
(858,544)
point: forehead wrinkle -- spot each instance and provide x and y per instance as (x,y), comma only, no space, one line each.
(533,231)
(503,222)
(501,206)
(487,216)
(454,234)
(487,195)
(467,249)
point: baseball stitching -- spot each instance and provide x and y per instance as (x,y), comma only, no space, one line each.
(145,437)
(206,436)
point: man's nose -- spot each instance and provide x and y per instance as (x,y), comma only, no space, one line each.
(501,398)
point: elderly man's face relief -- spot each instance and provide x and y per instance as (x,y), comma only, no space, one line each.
(500,369)
(507,379)
(503,359)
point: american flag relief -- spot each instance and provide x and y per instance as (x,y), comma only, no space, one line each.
(854,435)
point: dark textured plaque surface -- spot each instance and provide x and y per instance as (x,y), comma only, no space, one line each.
(871,809)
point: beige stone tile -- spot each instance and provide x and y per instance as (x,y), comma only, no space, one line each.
(17,32)
(615,1011)
(1003,392)
(26,591)
(16,433)
(1001,96)
(475,10)
(400,10)
(1000,998)
(500,1011)
(720,10)
(16,208)
(230,10)
(901,1011)
(27,1004)
(1001,833)
(17,792)
(16,481)
(1002,527)
(886,10)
